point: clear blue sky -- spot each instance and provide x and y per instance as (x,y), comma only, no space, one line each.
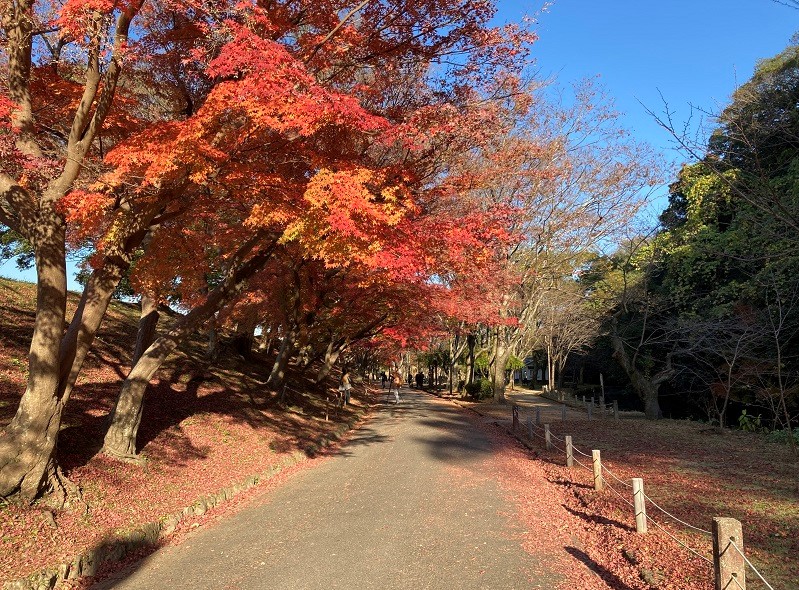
(693,52)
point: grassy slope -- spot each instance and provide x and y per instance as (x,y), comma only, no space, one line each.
(201,432)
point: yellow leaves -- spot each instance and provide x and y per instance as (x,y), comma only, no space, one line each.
(342,217)
(270,214)
(357,196)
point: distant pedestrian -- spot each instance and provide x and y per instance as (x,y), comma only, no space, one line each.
(396,381)
(383,379)
(419,379)
(345,386)
(410,379)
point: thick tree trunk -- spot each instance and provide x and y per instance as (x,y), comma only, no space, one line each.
(332,352)
(148,323)
(501,356)
(120,439)
(50,383)
(651,402)
(27,444)
(278,373)
(45,397)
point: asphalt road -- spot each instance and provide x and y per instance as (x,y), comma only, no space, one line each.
(407,503)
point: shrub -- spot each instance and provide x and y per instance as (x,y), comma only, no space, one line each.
(473,389)
(781,436)
(749,423)
(481,389)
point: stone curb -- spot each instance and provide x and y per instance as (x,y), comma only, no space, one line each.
(148,534)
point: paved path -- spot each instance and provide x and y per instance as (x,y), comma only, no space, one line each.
(405,504)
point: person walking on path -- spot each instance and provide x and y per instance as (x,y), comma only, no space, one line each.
(396,382)
(383,378)
(345,386)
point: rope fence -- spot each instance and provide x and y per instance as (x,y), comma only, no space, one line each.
(728,558)
(749,563)
(589,405)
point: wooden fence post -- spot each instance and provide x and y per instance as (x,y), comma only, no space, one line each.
(515,412)
(616,409)
(639,505)
(596,459)
(547,436)
(569,452)
(590,410)
(728,562)
(537,416)
(529,427)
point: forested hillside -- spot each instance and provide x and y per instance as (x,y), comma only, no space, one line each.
(705,310)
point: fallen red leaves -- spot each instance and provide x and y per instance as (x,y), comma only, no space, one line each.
(197,436)
(690,472)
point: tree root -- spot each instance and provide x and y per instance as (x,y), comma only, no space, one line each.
(62,493)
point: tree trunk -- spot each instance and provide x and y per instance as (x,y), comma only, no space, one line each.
(265,345)
(651,403)
(148,323)
(471,341)
(43,403)
(27,444)
(501,356)
(331,356)
(451,364)
(278,374)
(647,390)
(212,346)
(120,439)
